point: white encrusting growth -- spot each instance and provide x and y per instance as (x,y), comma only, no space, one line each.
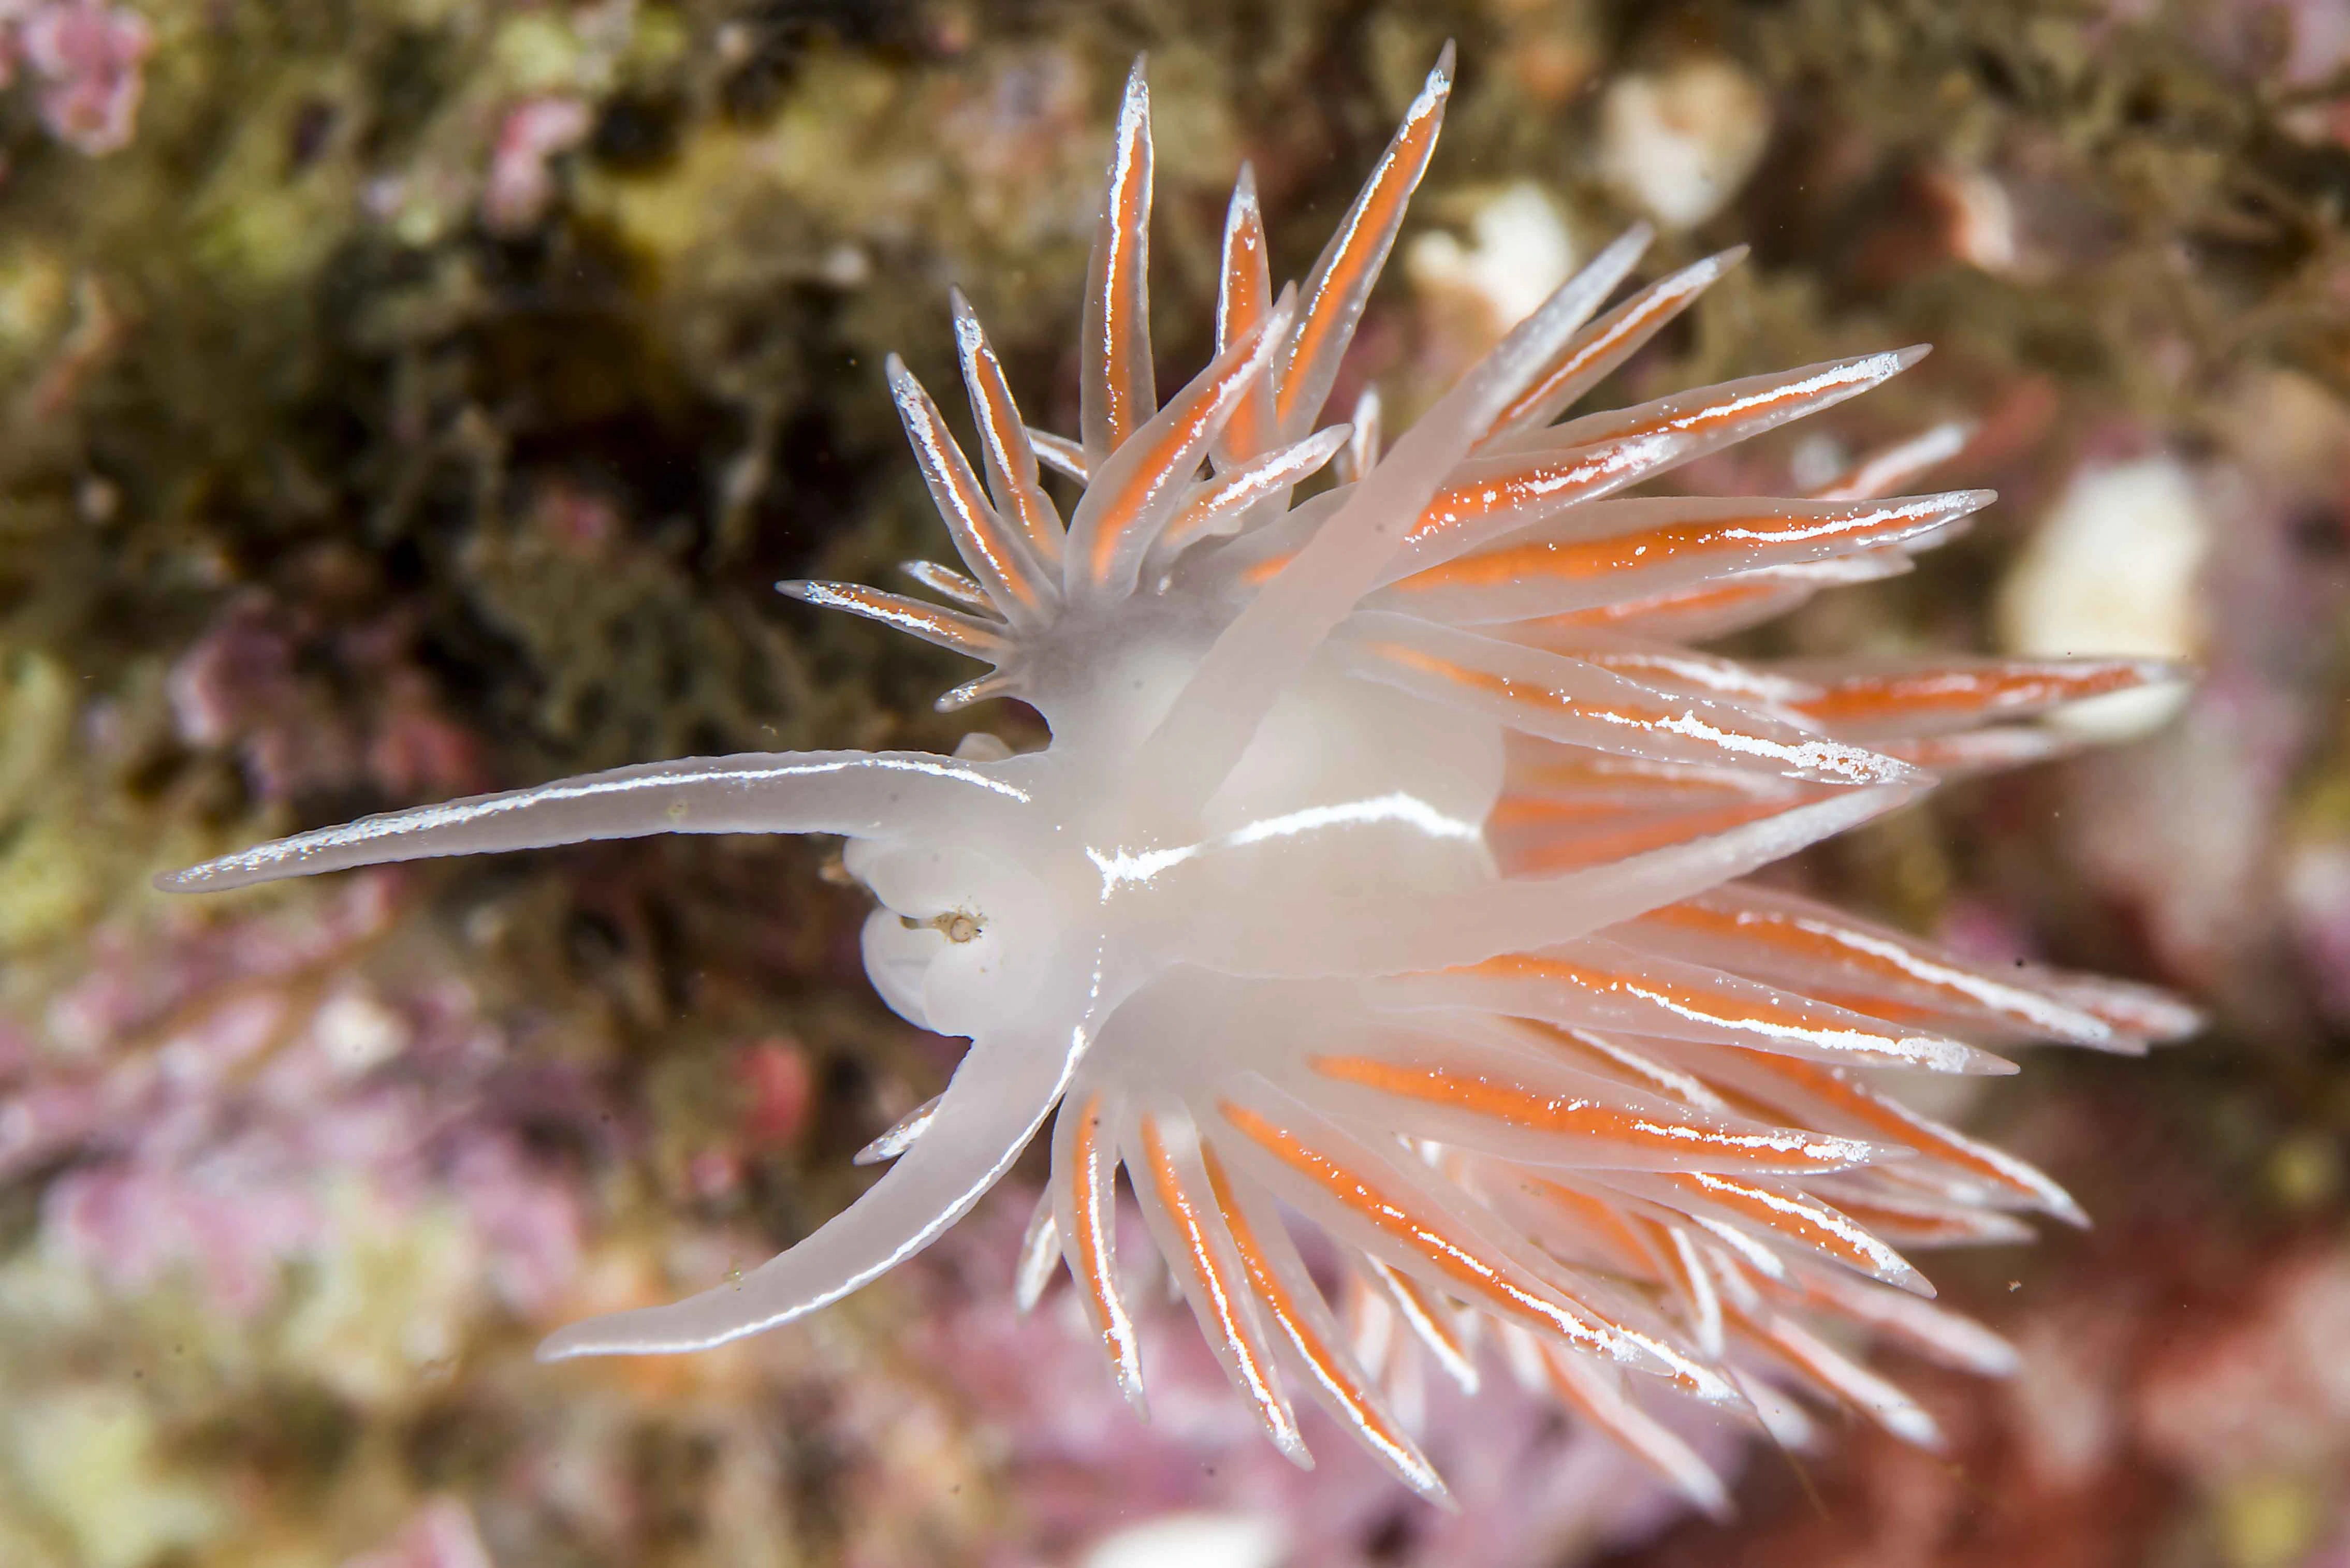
(1383,862)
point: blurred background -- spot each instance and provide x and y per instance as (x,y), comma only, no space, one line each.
(405,398)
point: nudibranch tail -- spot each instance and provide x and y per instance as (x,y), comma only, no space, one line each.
(1383,877)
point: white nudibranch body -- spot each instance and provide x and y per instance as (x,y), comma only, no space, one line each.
(1382,875)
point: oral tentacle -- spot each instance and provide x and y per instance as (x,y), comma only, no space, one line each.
(859,794)
(1005,1087)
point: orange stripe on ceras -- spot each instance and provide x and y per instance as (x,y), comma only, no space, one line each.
(1157,469)
(1741,1012)
(1432,1317)
(1603,1221)
(1006,440)
(1391,187)
(1123,280)
(1321,1359)
(1911,1228)
(1710,598)
(1473,500)
(1677,1267)
(1589,348)
(1635,776)
(912,617)
(1580,560)
(1208,1268)
(1856,954)
(1883,1118)
(1601,848)
(1567,1115)
(1795,1219)
(1937,691)
(1243,303)
(1478,1277)
(1092,1238)
(1526,694)
(948,469)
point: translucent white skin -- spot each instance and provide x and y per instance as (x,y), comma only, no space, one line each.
(1266,826)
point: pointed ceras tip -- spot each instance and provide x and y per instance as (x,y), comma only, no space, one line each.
(1243,205)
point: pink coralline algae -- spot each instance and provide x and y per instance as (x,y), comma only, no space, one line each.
(88,57)
(442,1535)
(212,1088)
(521,185)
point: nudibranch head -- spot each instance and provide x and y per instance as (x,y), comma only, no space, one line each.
(1383,873)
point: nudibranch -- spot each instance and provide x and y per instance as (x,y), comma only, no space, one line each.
(1383,876)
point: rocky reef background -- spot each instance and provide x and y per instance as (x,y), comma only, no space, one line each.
(403,398)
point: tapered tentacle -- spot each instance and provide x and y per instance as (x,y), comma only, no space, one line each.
(997,553)
(1707,610)
(1350,263)
(1170,1183)
(1775,1213)
(1220,505)
(1000,1095)
(1040,1253)
(1787,1340)
(899,1136)
(1666,666)
(1901,1205)
(1114,390)
(1524,479)
(1369,438)
(1793,940)
(1569,701)
(1597,1393)
(1594,983)
(1913,699)
(1608,342)
(1243,300)
(1920,1326)
(1135,492)
(1749,406)
(1060,455)
(1268,645)
(940,627)
(948,583)
(1515,1108)
(1433,1321)
(1377,1202)
(1825,1095)
(1004,442)
(1890,470)
(1604,552)
(1085,1188)
(860,794)
(1286,1295)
